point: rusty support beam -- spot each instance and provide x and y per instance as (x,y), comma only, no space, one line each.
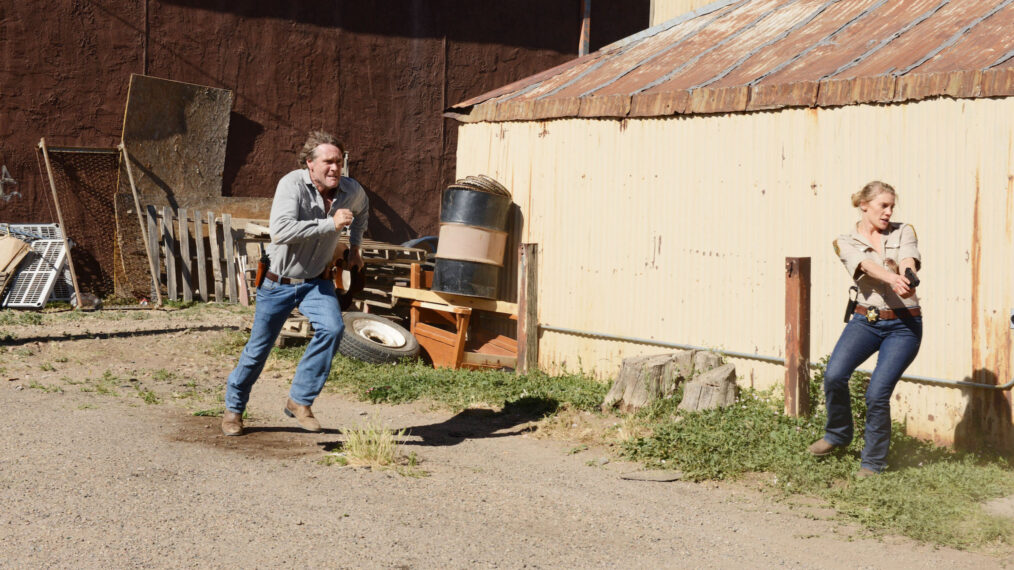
(528,308)
(797,336)
(584,44)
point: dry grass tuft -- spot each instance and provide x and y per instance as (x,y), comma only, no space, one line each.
(371,444)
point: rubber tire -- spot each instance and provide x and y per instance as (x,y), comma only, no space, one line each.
(356,345)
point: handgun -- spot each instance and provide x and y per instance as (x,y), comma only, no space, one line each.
(913,281)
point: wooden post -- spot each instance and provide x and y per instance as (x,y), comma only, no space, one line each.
(216,257)
(528,308)
(63,227)
(186,261)
(797,336)
(584,41)
(202,259)
(152,246)
(152,263)
(230,257)
(169,247)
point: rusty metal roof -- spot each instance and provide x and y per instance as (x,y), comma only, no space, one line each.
(748,55)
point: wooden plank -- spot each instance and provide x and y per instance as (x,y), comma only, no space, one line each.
(445,308)
(230,258)
(216,258)
(479,360)
(797,336)
(152,263)
(202,259)
(458,300)
(528,308)
(244,293)
(59,216)
(153,239)
(169,247)
(186,261)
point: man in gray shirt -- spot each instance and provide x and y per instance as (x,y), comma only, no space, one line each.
(312,205)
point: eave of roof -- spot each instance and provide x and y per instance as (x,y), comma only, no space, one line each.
(750,55)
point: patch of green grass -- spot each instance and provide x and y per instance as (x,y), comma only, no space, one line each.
(230,344)
(210,413)
(106,385)
(113,301)
(12,317)
(162,375)
(537,393)
(335,458)
(409,467)
(217,413)
(930,493)
(46,367)
(149,397)
(45,388)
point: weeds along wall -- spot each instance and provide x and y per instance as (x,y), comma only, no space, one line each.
(677,229)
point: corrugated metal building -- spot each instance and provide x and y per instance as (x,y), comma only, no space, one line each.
(667,176)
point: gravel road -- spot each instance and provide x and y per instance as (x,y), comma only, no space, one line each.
(93,476)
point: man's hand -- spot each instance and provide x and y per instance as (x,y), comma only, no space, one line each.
(342,218)
(356,257)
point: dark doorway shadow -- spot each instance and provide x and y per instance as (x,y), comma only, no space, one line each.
(386,224)
(243,134)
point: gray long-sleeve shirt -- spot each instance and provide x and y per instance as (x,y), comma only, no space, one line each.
(303,236)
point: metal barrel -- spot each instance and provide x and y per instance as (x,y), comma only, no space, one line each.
(473,236)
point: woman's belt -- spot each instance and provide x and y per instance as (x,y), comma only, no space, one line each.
(874,314)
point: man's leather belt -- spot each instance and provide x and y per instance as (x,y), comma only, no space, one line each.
(287,280)
(874,314)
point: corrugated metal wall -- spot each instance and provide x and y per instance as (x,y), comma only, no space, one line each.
(662,10)
(677,229)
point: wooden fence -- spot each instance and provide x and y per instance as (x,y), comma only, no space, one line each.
(198,255)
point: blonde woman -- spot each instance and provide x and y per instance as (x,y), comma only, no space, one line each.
(887,319)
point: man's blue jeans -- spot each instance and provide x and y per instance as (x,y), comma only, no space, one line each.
(317,302)
(898,341)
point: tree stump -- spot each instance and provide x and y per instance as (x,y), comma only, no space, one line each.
(644,379)
(712,389)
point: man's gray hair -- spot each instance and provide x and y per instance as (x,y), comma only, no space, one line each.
(313,140)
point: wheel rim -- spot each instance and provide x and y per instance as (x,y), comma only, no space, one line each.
(380,333)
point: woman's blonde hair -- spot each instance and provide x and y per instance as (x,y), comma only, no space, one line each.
(870,192)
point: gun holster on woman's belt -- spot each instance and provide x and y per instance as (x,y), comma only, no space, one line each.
(853,301)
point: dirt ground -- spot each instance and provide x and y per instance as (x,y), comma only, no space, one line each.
(104,464)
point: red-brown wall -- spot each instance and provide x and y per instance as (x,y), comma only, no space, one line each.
(378,74)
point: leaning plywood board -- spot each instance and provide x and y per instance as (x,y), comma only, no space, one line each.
(175,134)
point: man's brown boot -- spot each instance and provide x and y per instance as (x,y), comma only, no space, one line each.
(232,423)
(303,415)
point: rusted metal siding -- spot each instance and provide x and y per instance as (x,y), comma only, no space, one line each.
(664,10)
(677,230)
(742,55)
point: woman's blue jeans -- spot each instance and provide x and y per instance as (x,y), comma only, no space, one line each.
(898,341)
(317,302)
